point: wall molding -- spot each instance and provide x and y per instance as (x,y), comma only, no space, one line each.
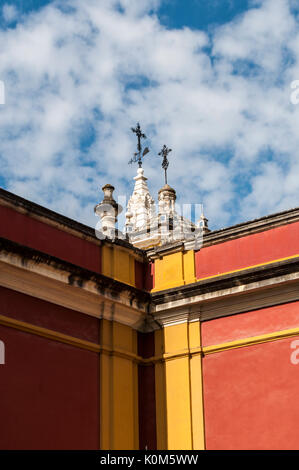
(49,334)
(250,341)
(60,287)
(269,286)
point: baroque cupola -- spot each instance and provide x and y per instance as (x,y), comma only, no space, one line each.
(146,226)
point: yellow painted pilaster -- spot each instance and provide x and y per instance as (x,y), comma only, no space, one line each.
(174,270)
(118,388)
(189,267)
(118,264)
(108,261)
(180,423)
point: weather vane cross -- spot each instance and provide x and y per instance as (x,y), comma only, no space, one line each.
(138,155)
(165,162)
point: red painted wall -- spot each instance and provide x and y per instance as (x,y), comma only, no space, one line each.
(49,394)
(149,276)
(146,393)
(255,323)
(147,407)
(35,234)
(140,275)
(251,397)
(258,248)
(38,312)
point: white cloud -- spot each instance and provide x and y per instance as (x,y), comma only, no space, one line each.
(100,67)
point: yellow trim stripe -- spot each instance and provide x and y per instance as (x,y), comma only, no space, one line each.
(83,344)
(248,267)
(50,334)
(240,343)
(67,339)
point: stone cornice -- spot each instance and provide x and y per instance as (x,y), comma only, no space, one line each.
(101,296)
(252,289)
(77,274)
(209,306)
(54,280)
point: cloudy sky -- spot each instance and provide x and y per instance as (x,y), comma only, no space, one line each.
(211,79)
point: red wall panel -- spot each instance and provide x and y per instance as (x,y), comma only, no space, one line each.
(49,394)
(251,397)
(47,315)
(147,393)
(35,234)
(255,323)
(147,407)
(150,276)
(251,250)
(140,275)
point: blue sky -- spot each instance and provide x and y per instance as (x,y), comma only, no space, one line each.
(209,79)
(197,14)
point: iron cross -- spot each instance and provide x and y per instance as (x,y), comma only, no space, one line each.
(138,156)
(165,162)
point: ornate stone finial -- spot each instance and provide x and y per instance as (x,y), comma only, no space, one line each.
(138,155)
(108,211)
(165,162)
(203,223)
